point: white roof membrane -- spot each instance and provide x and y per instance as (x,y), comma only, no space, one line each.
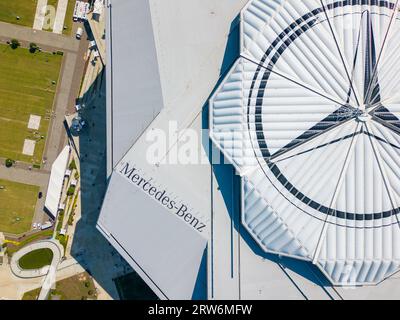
(133,79)
(164,251)
(310,117)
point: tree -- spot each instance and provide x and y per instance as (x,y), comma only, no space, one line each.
(9,163)
(33,47)
(70,191)
(14,44)
(72,165)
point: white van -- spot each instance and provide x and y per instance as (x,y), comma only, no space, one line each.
(79,33)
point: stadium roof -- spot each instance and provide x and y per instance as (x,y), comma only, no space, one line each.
(337,163)
(158,73)
(309,116)
(127,117)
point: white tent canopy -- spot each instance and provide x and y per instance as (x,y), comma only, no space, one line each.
(309,116)
(98,7)
(56,181)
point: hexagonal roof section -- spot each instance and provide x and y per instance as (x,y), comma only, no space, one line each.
(309,116)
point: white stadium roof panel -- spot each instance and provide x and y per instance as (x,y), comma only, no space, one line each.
(309,116)
(148,236)
(131,107)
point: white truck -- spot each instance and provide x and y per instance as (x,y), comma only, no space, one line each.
(46,225)
(79,33)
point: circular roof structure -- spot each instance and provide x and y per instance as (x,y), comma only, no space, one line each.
(309,116)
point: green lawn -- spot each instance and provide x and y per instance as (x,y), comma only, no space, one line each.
(25,9)
(25,88)
(17,206)
(79,287)
(36,259)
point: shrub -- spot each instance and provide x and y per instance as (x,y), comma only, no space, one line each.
(9,163)
(63,240)
(59,226)
(60,220)
(70,219)
(72,165)
(71,191)
(14,44)
(33,47)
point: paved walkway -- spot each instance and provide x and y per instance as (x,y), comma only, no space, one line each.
(37,178)
(46,40)
(60,16)
(57,138)
(40,14)
(48,271)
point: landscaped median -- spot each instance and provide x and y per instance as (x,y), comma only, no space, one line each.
(36,250)
(14,245)
(36,259)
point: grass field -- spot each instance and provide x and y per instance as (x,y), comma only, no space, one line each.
(36,259)
(17,206)
(79,287)
(25,9)
(25,88)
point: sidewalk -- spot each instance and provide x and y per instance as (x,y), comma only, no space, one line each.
(40,14)
(41,38)
(60,16)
